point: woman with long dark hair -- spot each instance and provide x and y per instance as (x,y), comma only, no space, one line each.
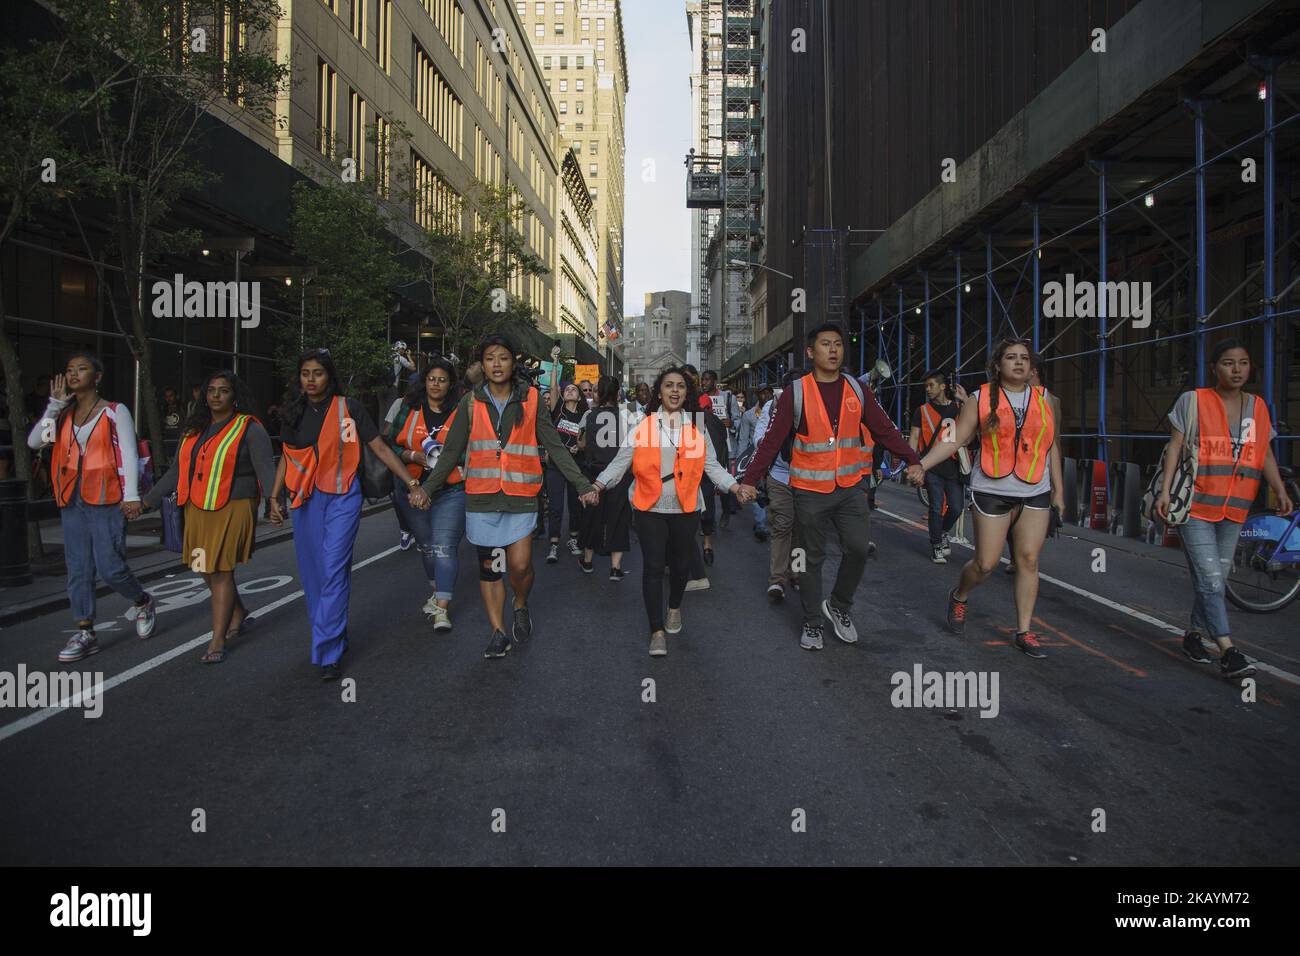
(419,430)
(1015,480)
(668,458)
(499,431)
(223,465)
(95,470)
(566,416)
(605,528)
(322,433)
(1232,432)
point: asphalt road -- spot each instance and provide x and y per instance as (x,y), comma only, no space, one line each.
(752,752)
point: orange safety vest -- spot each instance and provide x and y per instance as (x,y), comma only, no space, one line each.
(207,480)
(516,467)
(823,460)
(1226,486)
(930,422)
(331,463)
(647,465)
(99,467)
(1023,451)
(412,436)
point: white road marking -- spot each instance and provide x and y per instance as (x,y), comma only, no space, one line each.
(76,701)
(1106,602)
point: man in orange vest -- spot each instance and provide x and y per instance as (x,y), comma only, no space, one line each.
(943,481)
(826,419)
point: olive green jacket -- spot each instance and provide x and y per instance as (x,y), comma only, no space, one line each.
(453,449)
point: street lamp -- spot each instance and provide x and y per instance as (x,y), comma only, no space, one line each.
(759,265)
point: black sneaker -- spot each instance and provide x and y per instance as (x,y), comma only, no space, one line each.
(956,614)
(331,671)
(587,566)
(1234,664)
(760,534)
(499,646)
(1027,641)
(617,574)
(708,556)
(523,626)
(553,555)
(1194,649)
(775,593)
(937,556)
(574,549)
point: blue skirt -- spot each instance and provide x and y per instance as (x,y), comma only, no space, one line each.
(498,529)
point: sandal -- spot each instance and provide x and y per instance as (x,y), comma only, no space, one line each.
(247,624)
(213,657)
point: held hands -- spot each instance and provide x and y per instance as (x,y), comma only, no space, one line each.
(744,493)
(592,498)
(419,499)
(915,475)
(132,509)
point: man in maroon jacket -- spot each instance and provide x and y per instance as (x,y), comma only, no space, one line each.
(829,494)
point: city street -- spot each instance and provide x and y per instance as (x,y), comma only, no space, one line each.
(751,752)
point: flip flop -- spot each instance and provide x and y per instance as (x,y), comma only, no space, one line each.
(247,625)
(213,657)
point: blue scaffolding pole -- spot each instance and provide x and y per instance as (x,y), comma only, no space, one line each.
(1036,256)
(899,372)
(1101,312)
(988,295)
(1270,240)
(1198,113)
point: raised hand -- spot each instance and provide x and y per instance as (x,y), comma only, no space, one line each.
(59,388)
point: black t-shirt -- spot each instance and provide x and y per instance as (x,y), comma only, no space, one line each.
(566,423)
(306,431)
(603,428)
(945,469)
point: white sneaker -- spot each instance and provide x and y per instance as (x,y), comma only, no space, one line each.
(673,622)
(431,605)
(83,644)
(441,619)
(842,623)
(699,584)
(146,619)
(574,549)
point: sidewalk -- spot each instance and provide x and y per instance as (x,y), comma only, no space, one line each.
(145,556)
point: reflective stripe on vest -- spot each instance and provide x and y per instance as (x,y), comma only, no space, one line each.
(98,467)
(331,463)
(1020,451)
(207,481)
(822,460)
(514,468)
(647,465)
(1225,488)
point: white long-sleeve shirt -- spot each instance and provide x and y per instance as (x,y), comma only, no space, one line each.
(669,438)
(43,435)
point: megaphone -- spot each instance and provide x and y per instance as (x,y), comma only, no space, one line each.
(879,372)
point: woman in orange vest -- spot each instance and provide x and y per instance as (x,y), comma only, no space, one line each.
(419,429)
(1015,481)
(1232,431)
(322,433)
(95,471)
(498,433)
(223,465)
(669,455)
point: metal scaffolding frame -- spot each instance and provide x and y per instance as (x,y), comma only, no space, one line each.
(904,334)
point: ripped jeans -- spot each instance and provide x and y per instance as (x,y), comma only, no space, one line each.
(1209,547)
(438,533)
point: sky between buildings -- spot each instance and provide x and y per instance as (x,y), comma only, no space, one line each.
(657,237)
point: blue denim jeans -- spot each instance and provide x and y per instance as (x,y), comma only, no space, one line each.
(760,516)
(1209,547)
(438,533)
(939,488)
(94,540)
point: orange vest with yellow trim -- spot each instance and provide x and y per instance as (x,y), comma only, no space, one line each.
(821,460)
(516,467)
(647,465)
(99,466)
(412,434)
(206,479)
(1023,451)
(1226,484)
(331,463)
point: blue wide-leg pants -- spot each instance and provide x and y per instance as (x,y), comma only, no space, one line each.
(324,531)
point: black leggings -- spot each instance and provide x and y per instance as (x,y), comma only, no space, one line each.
(665,539)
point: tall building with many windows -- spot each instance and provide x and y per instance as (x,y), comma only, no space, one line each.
(576,282)
(581,48)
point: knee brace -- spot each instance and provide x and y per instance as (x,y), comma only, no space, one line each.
(487,557)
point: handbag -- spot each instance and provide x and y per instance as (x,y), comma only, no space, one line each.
(173,525)
(1183,481)
(376,479)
